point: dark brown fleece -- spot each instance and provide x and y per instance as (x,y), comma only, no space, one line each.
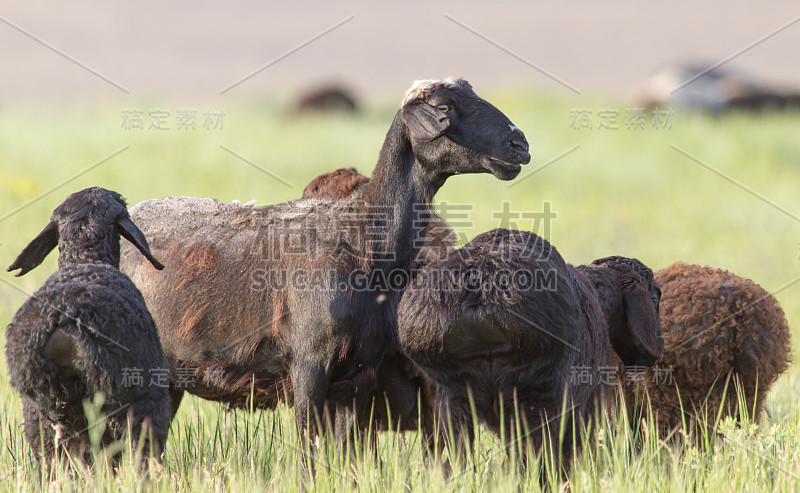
(715,325)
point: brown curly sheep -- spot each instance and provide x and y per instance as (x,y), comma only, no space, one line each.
(337,184)
(718,328)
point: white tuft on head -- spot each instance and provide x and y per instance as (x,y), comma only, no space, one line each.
(420,88)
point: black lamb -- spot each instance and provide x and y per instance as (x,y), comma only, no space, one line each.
(87,330)
(505,322)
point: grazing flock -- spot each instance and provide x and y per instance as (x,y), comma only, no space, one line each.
(353,304)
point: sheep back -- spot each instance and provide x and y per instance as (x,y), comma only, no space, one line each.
(104,320)
(467,329)
(209,240)
(715,324)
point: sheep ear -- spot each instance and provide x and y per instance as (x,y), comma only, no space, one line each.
(130,232)
(34,254)
(424,122)
(645,344)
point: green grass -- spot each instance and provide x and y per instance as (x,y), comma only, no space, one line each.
(620,192)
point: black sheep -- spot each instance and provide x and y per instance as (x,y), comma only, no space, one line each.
(329,98)
(298,299)
(87,330)
(506,322)
(343,182)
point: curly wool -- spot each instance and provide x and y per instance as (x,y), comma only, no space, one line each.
(69,301)
(84,332)
(715,325)
(506,346)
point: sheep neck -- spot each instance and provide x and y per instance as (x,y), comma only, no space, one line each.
(400,187)
(101,251)
(606,284)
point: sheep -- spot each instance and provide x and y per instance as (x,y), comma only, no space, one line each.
(440,239)
(718,329)
(505,323)
(298,300)
(326,99)
(342,182)
(337,184)
(713,89)
(86,331)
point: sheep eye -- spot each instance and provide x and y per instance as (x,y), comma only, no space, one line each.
(444,108)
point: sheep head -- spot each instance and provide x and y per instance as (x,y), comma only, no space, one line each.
(454,131)
(337,184)
(630,296)
(86,228)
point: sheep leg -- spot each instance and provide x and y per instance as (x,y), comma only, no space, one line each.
(399,399)
(310,378)
(428,422)
(455,420)
(310,381)
(38,431)
(354,411)
(48,437)
(148,421)
(344,429)
(175,398)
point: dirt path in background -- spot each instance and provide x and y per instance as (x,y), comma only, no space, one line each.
(192,50)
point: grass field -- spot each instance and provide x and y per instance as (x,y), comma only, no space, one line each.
(717,191)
